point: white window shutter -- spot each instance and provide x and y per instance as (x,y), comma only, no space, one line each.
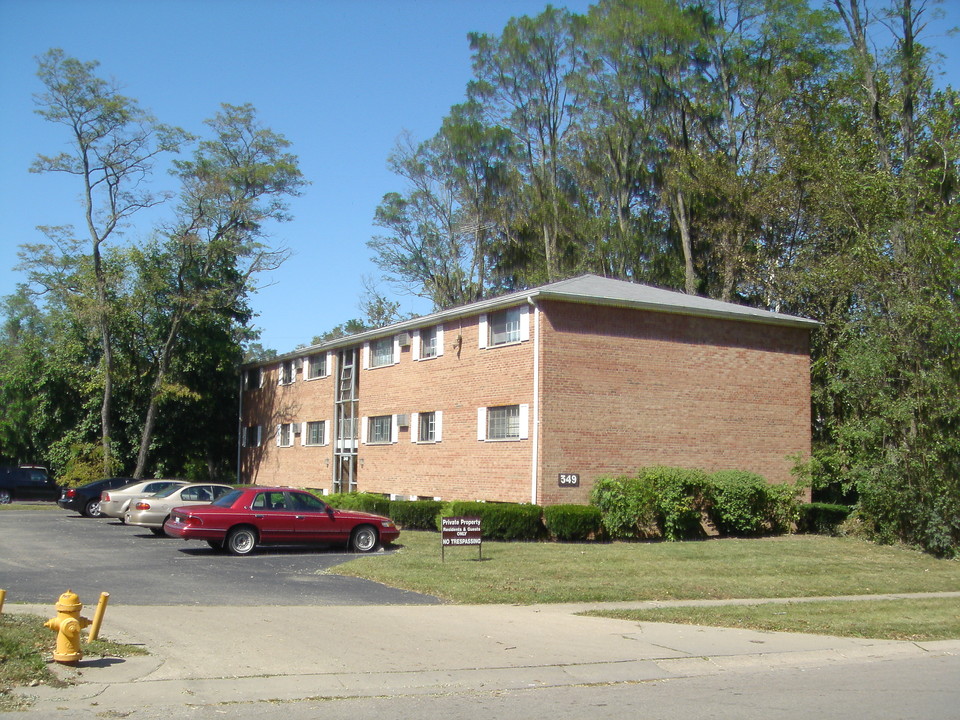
(363,431)
(438,419)
(414,427)
(328,370)
(415,345)
(243,437)
(365,356)
(259,435)
(394,429)
(280,374)
(482,340)
(524,323)
(304,433)
(279,428)
(524,422)
(481,423)
(326,432)
(261,377)
(396,351)
(439,340)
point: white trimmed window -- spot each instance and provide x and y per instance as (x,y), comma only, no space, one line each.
(253,378)
(430,343)
(316,366)
(285,435)
(380,429)
(286,373)
(504,422)
(426,427)
(381,352)
(252,436)
(505,327)
(315,433)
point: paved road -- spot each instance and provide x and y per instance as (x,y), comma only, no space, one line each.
(44,552)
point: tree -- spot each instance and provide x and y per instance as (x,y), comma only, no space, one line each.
(214,250)
(114,146)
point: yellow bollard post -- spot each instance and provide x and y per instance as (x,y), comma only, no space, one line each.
(3,596)
(98,617)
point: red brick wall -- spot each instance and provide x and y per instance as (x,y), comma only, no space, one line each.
(654,388)
(667,389)
(463,379)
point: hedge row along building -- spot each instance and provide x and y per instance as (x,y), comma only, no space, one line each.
(532,396)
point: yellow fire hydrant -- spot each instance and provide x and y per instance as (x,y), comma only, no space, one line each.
(68,625)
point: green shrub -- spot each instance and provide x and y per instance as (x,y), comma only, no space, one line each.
(740,503)
(415,514)
(365,502)
(572,522)
(681,497)
(500,521)
(783,507)
(822,518)
(627,505)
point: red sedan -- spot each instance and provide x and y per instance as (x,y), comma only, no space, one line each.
(243,519)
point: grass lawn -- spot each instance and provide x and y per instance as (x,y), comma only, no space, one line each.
(912,619)
(525,573)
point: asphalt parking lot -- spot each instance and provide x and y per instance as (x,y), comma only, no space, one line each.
(44,552)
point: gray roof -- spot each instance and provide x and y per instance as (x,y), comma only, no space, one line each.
(586,289)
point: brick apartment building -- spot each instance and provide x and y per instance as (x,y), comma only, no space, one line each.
(532,396)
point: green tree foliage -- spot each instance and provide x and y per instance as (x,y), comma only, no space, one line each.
(152,327)
(786,154)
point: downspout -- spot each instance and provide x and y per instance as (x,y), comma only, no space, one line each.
(535,452)
(240,428)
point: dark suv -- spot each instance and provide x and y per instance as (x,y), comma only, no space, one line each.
(86,498)
(27,482)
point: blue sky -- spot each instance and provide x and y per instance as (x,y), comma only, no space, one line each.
(341,79)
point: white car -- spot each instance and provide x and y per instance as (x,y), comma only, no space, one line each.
(151,512)
(114,503)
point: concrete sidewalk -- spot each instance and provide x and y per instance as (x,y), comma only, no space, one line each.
(205,656)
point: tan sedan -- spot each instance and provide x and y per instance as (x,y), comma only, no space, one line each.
(151,512)
(114,503)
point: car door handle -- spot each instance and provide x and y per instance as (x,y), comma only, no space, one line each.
(259,516)
(299,517)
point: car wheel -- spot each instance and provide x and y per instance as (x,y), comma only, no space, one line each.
(241,541)
(92,508)
(364,539)
(158,532)
(215,544)
(6,497)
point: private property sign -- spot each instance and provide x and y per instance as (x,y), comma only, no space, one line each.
(460,531)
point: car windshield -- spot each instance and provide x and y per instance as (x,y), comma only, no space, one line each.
(166,492)
(228,499)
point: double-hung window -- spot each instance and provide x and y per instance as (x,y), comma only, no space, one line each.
(251,436)
(253,378)
(381,352)
(379,429)
(428,343)
(316,433)
(316,366)
(285,435)
(504,422)
(286,373)
(503,327)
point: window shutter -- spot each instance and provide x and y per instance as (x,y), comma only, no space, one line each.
(243,436)
(363,431)
(524,323)
(415,345)
(259,435)
(396,357)
(482,340)
(304,433)
(365,356)
(279,428)
(280,374)
(481,423)
(438,418)
(524,422)
(328,369)
(326,432)
(439,340)
(260,373)
(394,429)
(414,427)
